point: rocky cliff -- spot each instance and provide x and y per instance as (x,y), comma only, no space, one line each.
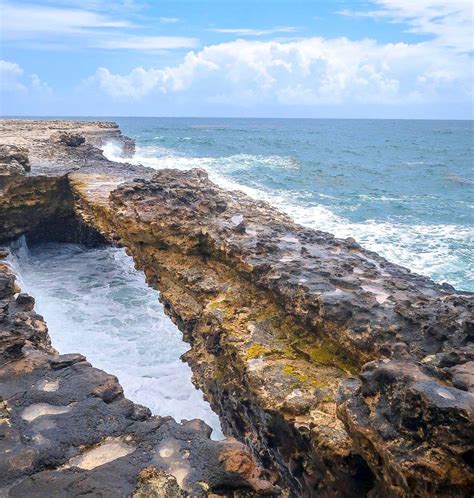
(344,374)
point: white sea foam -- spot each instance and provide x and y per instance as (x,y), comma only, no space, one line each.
(428,249)
(158,157)
(97,304)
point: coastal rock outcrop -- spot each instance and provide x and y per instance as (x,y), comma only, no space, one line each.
(344,374)
(70,139)
(13,160)
(413,429)
(281,319)
(34,191)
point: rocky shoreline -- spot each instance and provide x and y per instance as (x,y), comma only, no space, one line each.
(344,374)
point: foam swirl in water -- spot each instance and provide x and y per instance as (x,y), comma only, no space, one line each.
(95,303)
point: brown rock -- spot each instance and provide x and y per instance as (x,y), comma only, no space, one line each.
(70,139)
(154,483)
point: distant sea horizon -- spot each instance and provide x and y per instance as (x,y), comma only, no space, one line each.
(110,117)
(401,187)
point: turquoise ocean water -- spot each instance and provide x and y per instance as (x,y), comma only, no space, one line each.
(400,187)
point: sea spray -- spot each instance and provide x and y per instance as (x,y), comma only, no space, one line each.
(349,199)
(95,303)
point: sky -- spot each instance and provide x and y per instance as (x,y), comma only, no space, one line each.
(246,58)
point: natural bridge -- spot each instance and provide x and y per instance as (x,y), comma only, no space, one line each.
(334,372)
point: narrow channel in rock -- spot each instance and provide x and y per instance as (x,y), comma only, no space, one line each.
(96,303)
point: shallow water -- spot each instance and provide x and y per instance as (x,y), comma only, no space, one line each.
(95,303)
(403,188)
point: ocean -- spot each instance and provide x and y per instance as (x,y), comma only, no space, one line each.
(402,188)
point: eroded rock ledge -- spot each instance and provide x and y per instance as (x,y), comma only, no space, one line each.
(67,430)
(345,374)
(342,371)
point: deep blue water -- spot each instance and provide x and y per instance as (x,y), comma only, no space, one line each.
(404,188)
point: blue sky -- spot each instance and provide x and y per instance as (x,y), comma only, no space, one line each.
(263,58)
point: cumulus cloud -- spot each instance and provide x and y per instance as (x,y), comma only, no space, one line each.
(10,75)
(14,80)
(318,71)
(310,71)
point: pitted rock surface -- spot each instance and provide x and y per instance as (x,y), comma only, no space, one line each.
(378,308)
(14,160)
(56,147)
(345,374)
(35,159)
(280,317)
(70,139)
(67,430)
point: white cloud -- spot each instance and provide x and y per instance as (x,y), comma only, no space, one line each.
(10,75)
(255,32)
(449,21)
(30,21)
(148,42)
(14,80)
(44,27)
(169,20)
(316,71)
(312,71)
(39,85)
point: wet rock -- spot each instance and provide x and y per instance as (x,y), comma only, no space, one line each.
(25,301)
(40,203)
(345,375)
(65,360)
(67,430)
(7,282)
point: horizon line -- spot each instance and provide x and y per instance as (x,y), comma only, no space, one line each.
(66,116)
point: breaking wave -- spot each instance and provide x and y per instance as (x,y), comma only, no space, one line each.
(439,251)
(96,303)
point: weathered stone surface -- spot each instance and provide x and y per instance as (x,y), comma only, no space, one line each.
(416,432)
(34,192)
(50,158)
(279,317)
(324,358)
(157,483)
(67,430)
(69,139)
(14,160)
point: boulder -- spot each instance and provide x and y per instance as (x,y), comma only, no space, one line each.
(70,139)
(14,160)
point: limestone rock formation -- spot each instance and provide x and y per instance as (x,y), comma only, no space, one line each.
(280,318)
(345,375)
(13,160)
(70,139)
(414,430)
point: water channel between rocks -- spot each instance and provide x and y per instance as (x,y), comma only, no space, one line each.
(96,303)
